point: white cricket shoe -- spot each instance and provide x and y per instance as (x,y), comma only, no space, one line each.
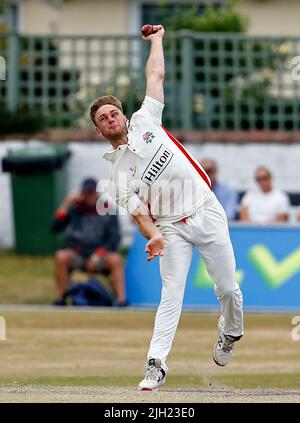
(155,376)
(224,347)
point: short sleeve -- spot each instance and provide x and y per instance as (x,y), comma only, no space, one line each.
(131,202)
(125,197)
(151,109)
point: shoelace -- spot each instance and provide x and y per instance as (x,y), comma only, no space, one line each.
(228,345)
(152,373)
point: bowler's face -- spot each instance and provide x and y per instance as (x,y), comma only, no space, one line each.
(111,121)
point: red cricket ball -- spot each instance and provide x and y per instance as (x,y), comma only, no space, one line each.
(147,30)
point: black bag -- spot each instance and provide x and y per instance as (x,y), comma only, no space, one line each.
(90,293)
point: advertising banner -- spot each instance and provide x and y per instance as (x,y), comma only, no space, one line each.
(268,271)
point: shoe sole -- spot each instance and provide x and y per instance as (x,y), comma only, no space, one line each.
(149,389)
(218,364)
(219,328)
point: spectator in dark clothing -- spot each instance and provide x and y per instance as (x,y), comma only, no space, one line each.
(92,240)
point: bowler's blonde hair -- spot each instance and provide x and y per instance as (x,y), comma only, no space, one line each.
(107,99)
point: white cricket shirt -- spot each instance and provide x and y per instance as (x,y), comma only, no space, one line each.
(154,168)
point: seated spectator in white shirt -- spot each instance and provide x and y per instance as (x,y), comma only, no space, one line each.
(266,204)
(226,195)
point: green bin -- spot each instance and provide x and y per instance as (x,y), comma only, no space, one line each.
(39,184)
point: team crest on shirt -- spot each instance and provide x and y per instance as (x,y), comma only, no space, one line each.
(133,170)
(148,137)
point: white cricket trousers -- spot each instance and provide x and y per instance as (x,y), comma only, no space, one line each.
(207,229)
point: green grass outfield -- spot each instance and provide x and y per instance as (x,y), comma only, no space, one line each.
(26,279)
(74,350)
(30,279)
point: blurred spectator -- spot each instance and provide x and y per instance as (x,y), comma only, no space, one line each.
(92,240)
(265,204)
(226,195)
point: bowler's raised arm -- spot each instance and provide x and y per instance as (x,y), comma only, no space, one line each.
(155,68)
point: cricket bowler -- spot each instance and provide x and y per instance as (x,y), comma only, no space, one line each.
(170,197)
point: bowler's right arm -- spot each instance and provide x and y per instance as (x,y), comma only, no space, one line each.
(155,246)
